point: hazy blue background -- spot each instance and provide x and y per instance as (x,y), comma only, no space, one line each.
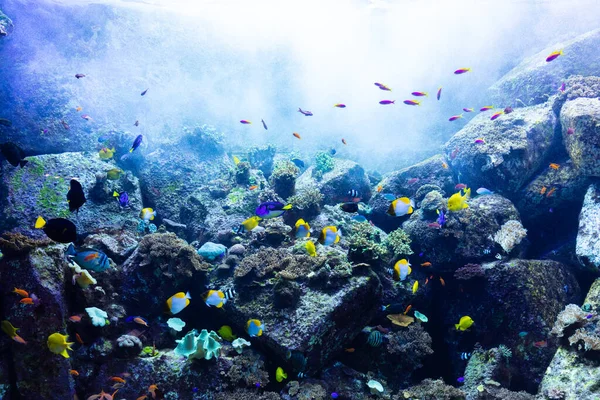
(217,62)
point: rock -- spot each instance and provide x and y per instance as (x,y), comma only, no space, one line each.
(211,251)
(335,184)
(283,178)
(467,235)
(6,25)
(583,116)
(432,389)
(588,243)
(513,291)
(117,245)
(128,346)
(570,368)
(533,80)
(237,250)
(516,146)
(40,188)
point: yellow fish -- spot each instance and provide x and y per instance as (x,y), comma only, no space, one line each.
(226,333)
(58,344)
(147,214)
(106,154)
(311,249)
(457,202)
(11,331)
(401,270)
(114,174)
(78,108)
(280,374)
(415,287)
(401,206)
(464,323)
(302,229)
(250,224)
(178,302)
(329,235)
(236,160)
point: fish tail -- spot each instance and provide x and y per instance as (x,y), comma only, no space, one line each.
(187,296)
(40,223)
(131,150)
(287,207)
(115,194)
(22,163)
(456,325)
(71,250)
(468,193)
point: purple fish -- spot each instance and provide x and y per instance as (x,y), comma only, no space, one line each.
(122,198)
(439,93)
(271,209)
(455,117)
(136,143)
(589,316)
(562,87)
(306,113)
(384,102)
(441,218)
(460,379)
(570,131)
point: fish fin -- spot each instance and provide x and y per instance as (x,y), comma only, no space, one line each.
(22,163)
(456,325)
(410,210)
(40,223)
(131,150)
(465,205)
(391,210)
(409,270)
(64,353)
(468,193)
(115,194)
(220,304)
(287,207)
(187,295)
(71,250)
(405,200)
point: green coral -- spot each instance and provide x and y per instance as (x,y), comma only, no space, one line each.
(35,167)
(398,242)
(283,178)
(236,195)
(368,240)
(51,199)
(308,197)
(324,162)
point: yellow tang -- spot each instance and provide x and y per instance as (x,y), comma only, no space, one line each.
(457,202)
(251,223)
(114,174)
(464,323)
(280,374)
(311,249)
(58,344)
(415,287)
(226,333)
(236,160)
(106,154)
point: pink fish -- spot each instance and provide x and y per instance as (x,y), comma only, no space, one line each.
(562,87)
(434,225)
(461,71)
(468,109)
(412,180)
(454,153)
(387,102)
(455,117)
(419,94)
(496,115)
(245,122)
(460,186)
(570,131)
(412,102)
(486,108)
(439,93)
(479,141)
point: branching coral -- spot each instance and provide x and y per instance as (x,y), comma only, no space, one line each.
(398,242)
(368,240)
(510,235)
(323,164)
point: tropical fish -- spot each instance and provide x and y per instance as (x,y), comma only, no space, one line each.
(483,191)
(302,229)
(114,174)
(75,318)
(407,309)
(264,124)
(379,188)
(382,86)
(26,300)
(329,235)
(340,105)
(562,87)
(136,143)
(554,55)
(508,110)
(58,344)
(147,214)
(353,193)
(441,219)
(215,298)
(464,323)
(58,229)
(541,344)
(385,102)
(21,292)
(412,181)
(245,122)
(461,71)
(460,379)
(75,196)
(465,356)
(73,372)
(140,321)
(401,206)
(486,108)
(454,153)
(455,117)
(402,269)
(11,331)
(426,264)
(78,338)
(144,92)
(79,76)
(460,186)
(415,287)
(457,202)
(543,190)
(442,281)
(13,154)
(65,125)
(122,198)
(78,108)
(117,379)
(106,154)
(570,131)
(350,350)
(254,327)
(389,196)
(249,224)
(496,115)
(479,141)
(554,166)
(90,259)
(178,302)
(296,135)
(344,141)
(375,339)
(439,93)
(444,165)
(551,192)
(271,209)
(280,374)
(332,152)
(468,109)
(305,113)
(359,218)
(226,333)
(86,117)
(412,102)
(136,123)
(311,249)
(434,225)
(349,207)
(419,94)
(421,317)
(298,162)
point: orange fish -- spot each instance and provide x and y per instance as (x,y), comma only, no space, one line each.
(407,309)
(117,379)
(78,109)
(26,300)
(554,166)
(541,344)
(543,190)
(253,187)
(297,135)
(550,193)
(21,292)
(78,338)
(91,257)
(442,281)
(19,339)
(350,350)
(75,318)
(152,389)
(444,165)
(426,281)
(379,189)
(426,264)
(344,141)
(74,372)
(144,397)
(140,321)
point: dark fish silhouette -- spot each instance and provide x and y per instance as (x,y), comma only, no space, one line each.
(75,196)
(144,92)
(264,125)
(79,76)
(306,113)
(13,154)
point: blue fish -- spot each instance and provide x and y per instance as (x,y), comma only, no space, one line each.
(271,209)
(332,152)
(389,196)
(136,143)
(90,259)
(122,198)
(483,191)
(441,218)
(359,218)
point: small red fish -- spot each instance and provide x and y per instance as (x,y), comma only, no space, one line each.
(543,190)
(461,71)
(141,321)
(379,188)
(444,165)
(442,281)
(554,166)
(144,397)
(554,55)
(541,344)
(26,300)
(78,108)
(245,122)
(434,225)
(426,281)
(384,102)
(253,187)
(412,180)
(75,318)
(426,264)
(407,309)
(117,379)
(412,102)
(74,372)
(350,350)
(344,141)
(455,117)
(551,192)
(79,340)
(460,186)
(21,292)
(296,135)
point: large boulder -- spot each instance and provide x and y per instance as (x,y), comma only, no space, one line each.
(516,146)
(588,243)
(532,81)
(40,188)
(580,119)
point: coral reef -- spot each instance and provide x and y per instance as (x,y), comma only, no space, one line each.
(283,178)
(511,233)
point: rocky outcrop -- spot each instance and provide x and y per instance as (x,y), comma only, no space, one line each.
(532,81)
(40,188)
(588,242)
(515,147)
(580,119)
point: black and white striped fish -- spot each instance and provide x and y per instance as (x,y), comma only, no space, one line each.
(375,339)
(465,356)
(353,193)
(229,293)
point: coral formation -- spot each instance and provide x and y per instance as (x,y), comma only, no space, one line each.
(510,235)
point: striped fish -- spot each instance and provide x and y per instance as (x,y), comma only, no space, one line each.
(229,293)
(353,193)
(465,356)
(375,339)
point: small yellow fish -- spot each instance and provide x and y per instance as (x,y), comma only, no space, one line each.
(114,174)
(250,224)
(226,333)
(178,302)
(147,214)
(236,160)
(302,229)
(11,331)
(329,235)
(106,154)
(444,165)
(415,287)
(554,166)
(280,374)
(457,202)
(311,249)
(401,206)
(464,323)
(78,108)
(58,344)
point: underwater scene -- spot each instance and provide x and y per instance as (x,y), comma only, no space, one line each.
(326,199)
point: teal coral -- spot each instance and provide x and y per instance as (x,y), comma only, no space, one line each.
(324,162)
(204,346)
(212,251)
